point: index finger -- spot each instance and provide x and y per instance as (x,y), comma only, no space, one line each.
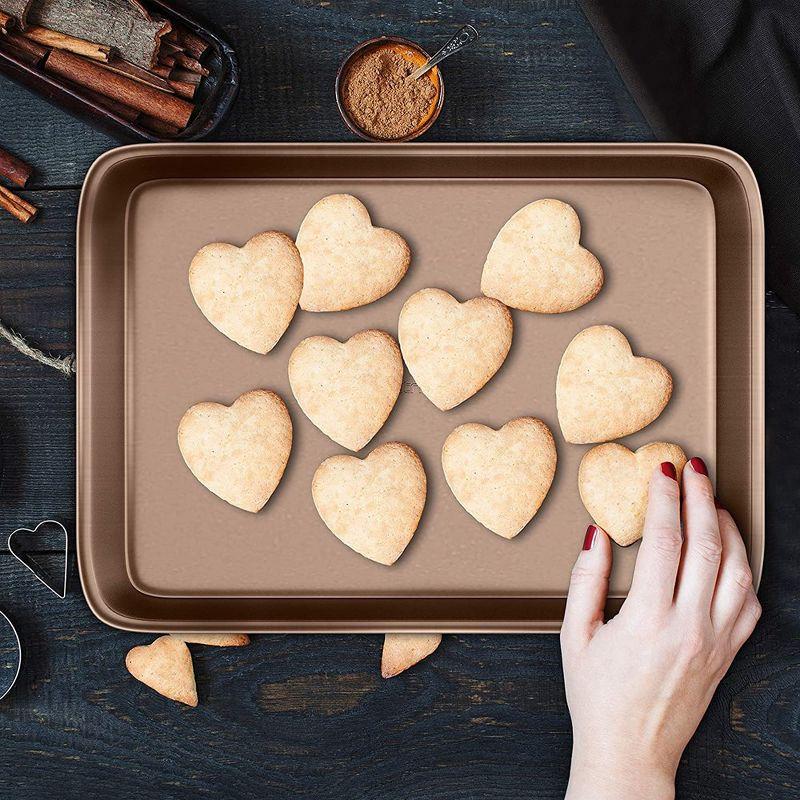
(660,552)
(703,543)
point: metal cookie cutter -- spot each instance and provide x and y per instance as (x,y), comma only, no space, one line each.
(9,664)
(10,644)
(21,553)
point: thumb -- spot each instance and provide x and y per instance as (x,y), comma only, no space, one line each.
(588,588)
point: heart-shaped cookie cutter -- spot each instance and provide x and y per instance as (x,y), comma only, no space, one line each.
(31,564)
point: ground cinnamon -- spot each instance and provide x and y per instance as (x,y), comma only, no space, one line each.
(378,99)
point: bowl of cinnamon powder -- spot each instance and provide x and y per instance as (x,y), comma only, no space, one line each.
(374,98)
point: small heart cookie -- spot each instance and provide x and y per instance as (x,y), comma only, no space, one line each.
(403,650)
(238,452)
(347,389)
(537,264)
(214,639)
(347,262)
(613,483)
(374,505)
(501,477)
(452,349)
(603,391)
(249,293)
(166,666)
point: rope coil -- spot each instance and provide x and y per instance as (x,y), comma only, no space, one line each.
(65,365)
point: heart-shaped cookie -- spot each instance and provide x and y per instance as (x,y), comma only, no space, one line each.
(249,293)
(346,261)
(537,264)
(347,389)
(452,349)
(214,639)
(501,477)
(403,650)
(613,483)
(603,391)
(166,666)
(374,505)
(238,452)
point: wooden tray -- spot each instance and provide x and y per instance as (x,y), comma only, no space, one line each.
(679,231)
(213,101)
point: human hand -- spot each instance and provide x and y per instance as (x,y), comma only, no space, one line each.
(638,685)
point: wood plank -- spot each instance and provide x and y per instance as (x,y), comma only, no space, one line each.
(29,133)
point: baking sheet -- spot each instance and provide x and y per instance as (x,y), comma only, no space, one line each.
(185,558)
(656,241)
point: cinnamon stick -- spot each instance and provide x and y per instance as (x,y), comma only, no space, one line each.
(192,64)
(7,22)
(166,61)
(191,43)
(97,52)
(14,204)
(138,74)
(20,55)
(161,71)
(146,99)
(186,76)
(30,52)
(170,48)
(14,169)
(183,89)
(124,112)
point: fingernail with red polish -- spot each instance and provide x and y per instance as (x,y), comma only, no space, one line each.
(589,539)
(668,468)
(698,465)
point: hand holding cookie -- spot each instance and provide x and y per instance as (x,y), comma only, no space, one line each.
(613,482)
(638,685)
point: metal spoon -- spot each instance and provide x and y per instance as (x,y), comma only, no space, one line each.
(464,37)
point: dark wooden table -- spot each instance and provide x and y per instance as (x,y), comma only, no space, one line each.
(309,715)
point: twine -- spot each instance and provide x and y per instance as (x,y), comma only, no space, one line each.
(65,365)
